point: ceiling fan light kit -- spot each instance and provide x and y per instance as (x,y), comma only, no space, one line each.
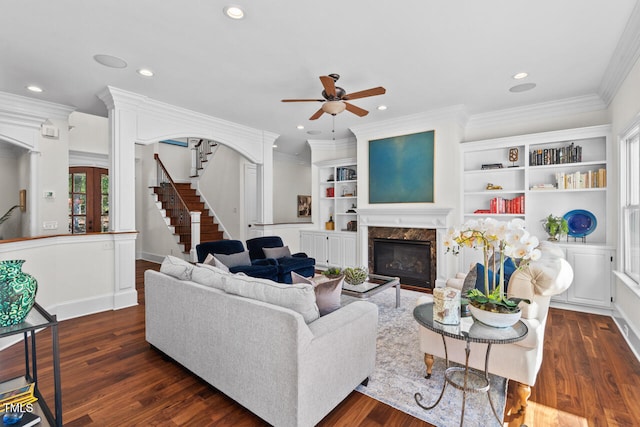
(335,97)
(333,107)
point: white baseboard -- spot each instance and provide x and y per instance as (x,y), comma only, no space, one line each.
(147,256)
(628,332)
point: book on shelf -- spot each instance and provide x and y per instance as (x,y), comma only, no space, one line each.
(581,180)
(554,156)
(28,419)
(499,205)
(538,187)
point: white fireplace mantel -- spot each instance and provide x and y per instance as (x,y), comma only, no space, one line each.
(429,218)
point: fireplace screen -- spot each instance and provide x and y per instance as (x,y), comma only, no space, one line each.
(410,260)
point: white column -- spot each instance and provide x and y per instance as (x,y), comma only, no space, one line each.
(195,234)
(265,180)
(122,208)
(33,207)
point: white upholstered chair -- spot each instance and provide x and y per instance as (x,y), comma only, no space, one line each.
(520,361)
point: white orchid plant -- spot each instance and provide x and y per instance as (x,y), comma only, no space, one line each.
(494,237)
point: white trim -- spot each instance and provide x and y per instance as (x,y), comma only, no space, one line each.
(540,111)
(82,158)
(633,337)
(623,59)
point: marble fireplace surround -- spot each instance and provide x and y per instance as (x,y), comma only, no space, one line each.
(413,222)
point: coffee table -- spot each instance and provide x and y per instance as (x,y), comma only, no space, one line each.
(374,284)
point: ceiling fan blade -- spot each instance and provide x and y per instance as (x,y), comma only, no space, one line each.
(316,115)
(303,100)
(329,86)
(364,93)
(356,110)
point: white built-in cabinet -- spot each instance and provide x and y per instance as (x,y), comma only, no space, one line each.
(531,187)
(337,182)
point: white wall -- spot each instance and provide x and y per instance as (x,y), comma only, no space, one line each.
(89,133)
(53,176)
(625,109)
(221,186)
(291,178)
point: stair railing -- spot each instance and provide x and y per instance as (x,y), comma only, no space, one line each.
(199,154)
(174,202)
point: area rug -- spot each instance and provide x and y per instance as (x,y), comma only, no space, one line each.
(400,370)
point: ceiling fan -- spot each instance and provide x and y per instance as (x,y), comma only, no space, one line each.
(335,98)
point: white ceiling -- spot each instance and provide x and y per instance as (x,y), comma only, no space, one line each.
(428,54)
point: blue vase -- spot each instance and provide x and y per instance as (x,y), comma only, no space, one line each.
(17,292)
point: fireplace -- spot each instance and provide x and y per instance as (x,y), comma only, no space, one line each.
(410,260)
(407,253)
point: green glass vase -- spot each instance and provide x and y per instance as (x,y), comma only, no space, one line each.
(17,292)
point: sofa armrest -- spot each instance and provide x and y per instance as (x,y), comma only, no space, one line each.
(300,255)
(264,261)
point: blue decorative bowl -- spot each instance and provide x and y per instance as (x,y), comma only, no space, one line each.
(581,222)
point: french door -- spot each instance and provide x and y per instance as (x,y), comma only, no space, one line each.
(88,200)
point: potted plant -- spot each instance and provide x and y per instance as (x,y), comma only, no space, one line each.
(7,215)
(555,226)
(355,275)
(332,272)
(502,239)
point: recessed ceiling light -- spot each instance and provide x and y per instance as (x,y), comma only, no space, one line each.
(519,76)
(300,127)
(275,145)
(145,72)
(234,12)
(382,107)
(523,87)
(110,61)
(34,88)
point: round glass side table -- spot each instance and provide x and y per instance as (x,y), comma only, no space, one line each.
(469,330)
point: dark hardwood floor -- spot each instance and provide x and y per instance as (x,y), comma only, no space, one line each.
(110,377)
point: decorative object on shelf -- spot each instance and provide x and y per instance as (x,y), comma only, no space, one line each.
(330,225)
(492,166)
(401,169)
(513,156)
(355,275)
(352,226)
(331,192)
(304,206)
(330,179)
(490,186)
(352,209)
(332,272)
(580,223)
(17,292)
(555,226)
(495,238)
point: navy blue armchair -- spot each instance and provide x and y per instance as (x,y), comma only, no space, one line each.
(298,262)
(262,268)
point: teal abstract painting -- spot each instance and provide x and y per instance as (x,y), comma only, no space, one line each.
(401,169)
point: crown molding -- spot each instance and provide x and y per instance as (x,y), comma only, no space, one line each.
(31,112)
(543,110)
(412,123)
(624,57)
(331,145)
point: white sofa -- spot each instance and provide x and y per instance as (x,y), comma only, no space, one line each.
(261,343)
(520,361)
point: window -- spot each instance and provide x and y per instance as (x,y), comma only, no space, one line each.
(88,200)
(630,197)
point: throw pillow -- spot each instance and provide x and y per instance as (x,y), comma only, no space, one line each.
(327,291)
(234,260)
(509,268)
(209,275)
(277,253)
(211,260)
(470,280)
(176,267)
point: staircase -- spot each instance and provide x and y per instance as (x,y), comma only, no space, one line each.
(208,228)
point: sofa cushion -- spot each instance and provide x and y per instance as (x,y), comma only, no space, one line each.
(234,260)
(176,267)
(209,275)
(276,253)
(211,260)
(299,297)
(509,269)
(328,291)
